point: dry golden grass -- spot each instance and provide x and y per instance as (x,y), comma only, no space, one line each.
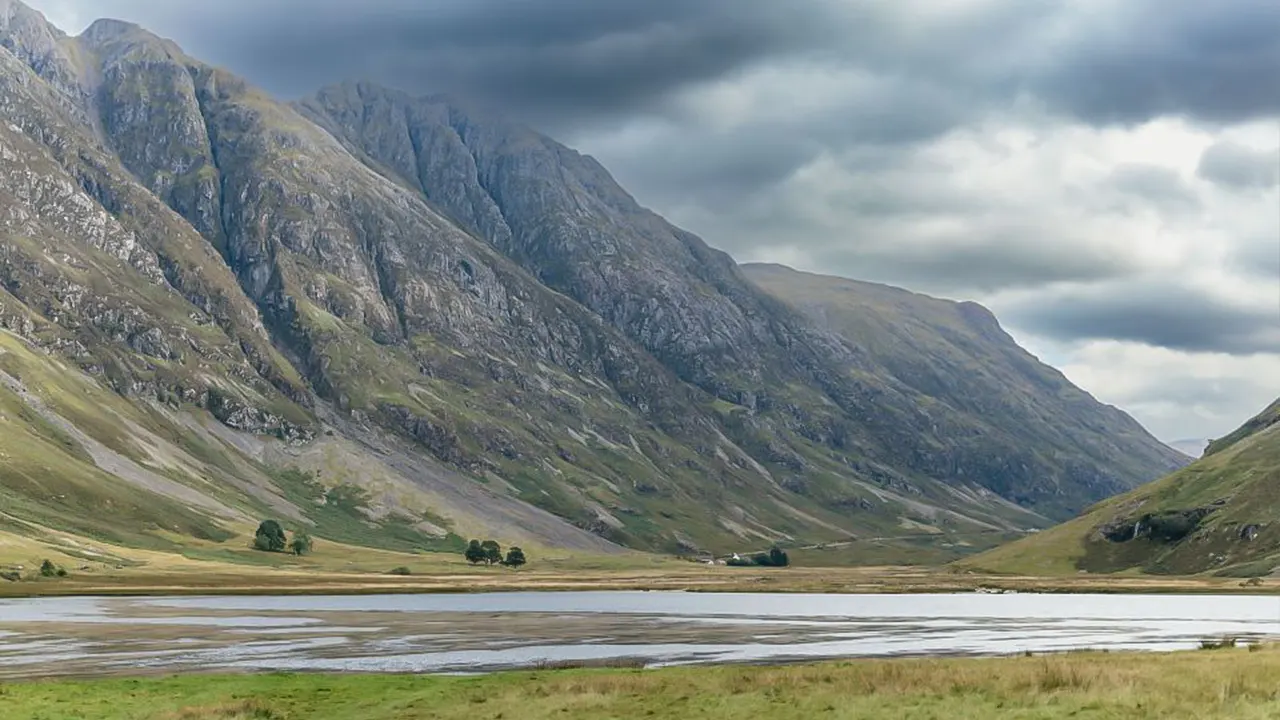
(233,568)
(158,574)
(1236,684)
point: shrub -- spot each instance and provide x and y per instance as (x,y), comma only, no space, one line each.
(402,570)
(269,537)
(1210,644)
(48,569)
(776,557)
(301,544)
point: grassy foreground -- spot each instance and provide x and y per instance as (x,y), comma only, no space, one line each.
(1226,683)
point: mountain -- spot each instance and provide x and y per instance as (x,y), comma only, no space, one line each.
(1214,516)
(404,321)
(957,361)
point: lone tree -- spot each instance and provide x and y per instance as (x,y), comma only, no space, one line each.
(492,552)
(301,543)
(475,554)
(515,558)
(270,537)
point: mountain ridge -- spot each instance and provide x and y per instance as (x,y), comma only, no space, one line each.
(481,300)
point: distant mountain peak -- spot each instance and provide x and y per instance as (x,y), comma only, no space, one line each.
(11,9)
(119,37)
(105,29)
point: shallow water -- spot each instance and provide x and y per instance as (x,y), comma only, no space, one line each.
(480,632)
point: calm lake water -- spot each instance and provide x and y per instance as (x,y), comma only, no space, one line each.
(481,632)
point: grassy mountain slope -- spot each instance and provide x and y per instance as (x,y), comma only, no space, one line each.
(467,326)
(1216,516)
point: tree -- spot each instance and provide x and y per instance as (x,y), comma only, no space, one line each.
(515,558)
(301,543)
(492,552)
(270,537)
(475,553)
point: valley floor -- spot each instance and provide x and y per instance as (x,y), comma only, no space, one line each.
(233,568)
(1224,683)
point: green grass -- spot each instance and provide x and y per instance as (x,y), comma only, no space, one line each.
(338,514)
(1225,683)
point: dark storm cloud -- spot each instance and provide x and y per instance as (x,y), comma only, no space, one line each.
(1003,262)
(1167,316)
(1239,167)
(558,59)
(552,59)
(1213,61)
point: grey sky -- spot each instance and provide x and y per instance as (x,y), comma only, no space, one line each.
(1104,174)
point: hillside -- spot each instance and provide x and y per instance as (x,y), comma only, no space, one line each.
(964,367)
(456,326)
(1215,516)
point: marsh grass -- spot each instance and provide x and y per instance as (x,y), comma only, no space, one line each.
(239,710)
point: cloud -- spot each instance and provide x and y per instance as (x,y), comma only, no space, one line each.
(1237,167)
(1166,315)
(1138,185)
(1259,258)
(1099,60)
(1011,202)
(1175,394)
(551,60)
(1131,60)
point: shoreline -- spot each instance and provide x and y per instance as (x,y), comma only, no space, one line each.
(876,580)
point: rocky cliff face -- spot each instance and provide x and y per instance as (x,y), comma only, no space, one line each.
(368,262)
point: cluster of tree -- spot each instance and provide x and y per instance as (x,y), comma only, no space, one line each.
(270,537)
(47,570)
(776,557)
(489,552)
